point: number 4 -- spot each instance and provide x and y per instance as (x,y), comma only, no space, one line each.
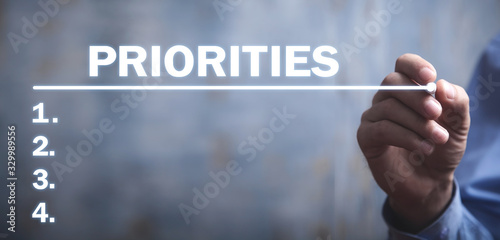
(40,212)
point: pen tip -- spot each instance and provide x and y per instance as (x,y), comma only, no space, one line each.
(431,88)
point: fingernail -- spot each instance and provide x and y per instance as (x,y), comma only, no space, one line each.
(450,90)
(439,135)
(432,108)
(427,147)
(427,74)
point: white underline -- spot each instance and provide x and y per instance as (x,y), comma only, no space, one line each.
(173,88)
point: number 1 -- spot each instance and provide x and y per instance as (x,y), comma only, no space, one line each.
(40,118)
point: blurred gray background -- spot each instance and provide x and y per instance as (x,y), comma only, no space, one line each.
(310,181)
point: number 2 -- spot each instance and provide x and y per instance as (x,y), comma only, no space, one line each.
(39,152)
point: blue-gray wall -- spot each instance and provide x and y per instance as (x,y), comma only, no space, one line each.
(310,181)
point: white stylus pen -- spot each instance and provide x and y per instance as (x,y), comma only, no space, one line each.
(430,88)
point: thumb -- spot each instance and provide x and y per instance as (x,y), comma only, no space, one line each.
(454,118)
(455,103)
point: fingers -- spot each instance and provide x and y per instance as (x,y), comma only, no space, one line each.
(374,137)
(393,110)
(415,120)
(419,101)
(417,68)
(455,103)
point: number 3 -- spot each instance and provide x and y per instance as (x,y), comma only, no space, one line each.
(42,179)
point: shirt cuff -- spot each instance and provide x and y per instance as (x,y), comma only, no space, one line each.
(444,227)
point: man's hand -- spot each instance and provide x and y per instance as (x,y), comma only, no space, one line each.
(413,142)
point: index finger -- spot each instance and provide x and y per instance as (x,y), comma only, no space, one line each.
(416,68)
